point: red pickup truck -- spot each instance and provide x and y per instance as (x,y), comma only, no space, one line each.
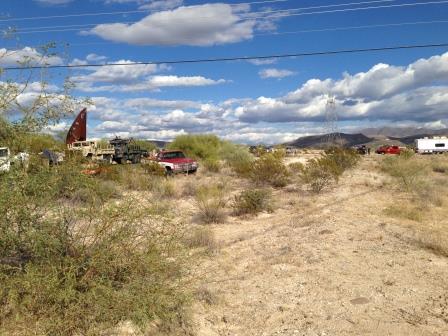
(175,161)
(388,150)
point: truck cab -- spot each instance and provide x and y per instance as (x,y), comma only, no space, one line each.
(175,161)
(5,159)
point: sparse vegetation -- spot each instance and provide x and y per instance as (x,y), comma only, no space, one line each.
(211,202)
(202,237)
(62,268)
(212,165)
(269,169)
(252,201)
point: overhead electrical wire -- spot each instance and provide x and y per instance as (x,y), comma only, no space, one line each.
(122,12)
(272,15)
(238,58)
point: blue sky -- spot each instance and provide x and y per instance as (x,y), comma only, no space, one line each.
(243,101)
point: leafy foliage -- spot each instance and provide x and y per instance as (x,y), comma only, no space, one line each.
(252,201)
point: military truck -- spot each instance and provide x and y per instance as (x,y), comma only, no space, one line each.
(127,150)
(94,150)
(5,159)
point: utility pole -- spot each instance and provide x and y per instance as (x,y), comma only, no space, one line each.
(332,137)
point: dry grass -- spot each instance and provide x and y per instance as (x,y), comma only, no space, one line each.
(211,202)
(202,237)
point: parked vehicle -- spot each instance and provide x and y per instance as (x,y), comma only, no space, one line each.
(175,161)
(433,145)
(362,150)
(388,150)
(127,150)
(94,150)
(5,159)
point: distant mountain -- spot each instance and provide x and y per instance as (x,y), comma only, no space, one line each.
(410,140)
(402,132)
(318,141)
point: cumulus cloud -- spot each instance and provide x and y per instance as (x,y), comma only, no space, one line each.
(150,4)
(275,73)
(27,56)
(264,61)
(201,25)
(416,92)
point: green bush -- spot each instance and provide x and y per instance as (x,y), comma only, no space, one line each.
(200,146)
(153,168)
(211,202)
(212,165)
(269,169)
(68,271)
(252,202)
(408,172)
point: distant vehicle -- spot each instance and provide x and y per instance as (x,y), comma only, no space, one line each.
(5,159)
(388,150)
(94,150)
(175,161)
(127,150)
(433,145)
(362,150)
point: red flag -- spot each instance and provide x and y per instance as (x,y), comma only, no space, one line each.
(78,130)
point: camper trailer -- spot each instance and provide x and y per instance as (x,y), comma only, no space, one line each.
(432,145)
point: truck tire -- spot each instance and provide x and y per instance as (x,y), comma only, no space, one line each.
(168,171)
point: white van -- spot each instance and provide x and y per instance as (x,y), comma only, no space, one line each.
(5,159)
(431,145)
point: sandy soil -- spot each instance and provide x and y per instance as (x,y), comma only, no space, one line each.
(331,264)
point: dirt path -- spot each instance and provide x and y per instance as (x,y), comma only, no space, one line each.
(323,265)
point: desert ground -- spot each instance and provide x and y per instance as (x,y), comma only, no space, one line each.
(333,263)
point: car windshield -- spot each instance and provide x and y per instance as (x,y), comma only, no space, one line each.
(3,152)
(173,155)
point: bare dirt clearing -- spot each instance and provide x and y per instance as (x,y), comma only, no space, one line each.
(329,264)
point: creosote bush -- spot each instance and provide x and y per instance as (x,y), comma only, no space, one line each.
(68,271)
(212,165)
(252,201)
(270,169)
(320,173)
(211,202)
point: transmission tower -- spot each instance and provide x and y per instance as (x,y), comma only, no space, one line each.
(331,123)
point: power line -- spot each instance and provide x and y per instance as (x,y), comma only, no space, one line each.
(248,17)
(239,58)
(399,24)
(119,12)
(274,16)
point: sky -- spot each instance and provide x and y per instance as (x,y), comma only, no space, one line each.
(259,101)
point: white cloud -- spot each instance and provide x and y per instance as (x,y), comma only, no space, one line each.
(275,73)
(162,4)
(95,58)
(53,2)
(263,61)
(202,25)
(416,92)
(26,56)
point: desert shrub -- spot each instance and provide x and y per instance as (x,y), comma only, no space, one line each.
(252,201)
(202,237)
(319,174)
(439,165)
(201,146)
(190,188)
(65,271)
(269,169)
(162,187)
(134,178)
(212,165)
(211,202)
(153,168)
(240,161)
(296,167)
(343,158)
(408,172)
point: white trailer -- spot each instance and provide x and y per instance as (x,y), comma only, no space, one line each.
(5,159)
(431,145)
